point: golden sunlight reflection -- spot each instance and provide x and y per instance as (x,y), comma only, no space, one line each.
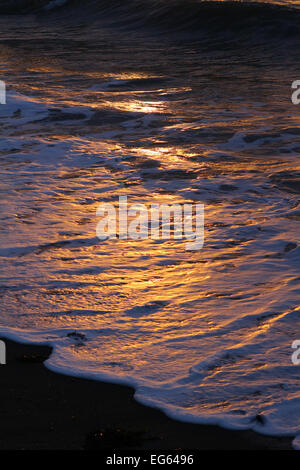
(139,106)
(171,125)
(170,157)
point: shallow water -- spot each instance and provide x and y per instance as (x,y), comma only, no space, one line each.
(102,106)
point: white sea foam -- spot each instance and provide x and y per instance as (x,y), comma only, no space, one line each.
(204,336)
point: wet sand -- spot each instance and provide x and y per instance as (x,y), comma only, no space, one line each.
(44,410)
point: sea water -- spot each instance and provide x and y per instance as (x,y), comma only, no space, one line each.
(162,102)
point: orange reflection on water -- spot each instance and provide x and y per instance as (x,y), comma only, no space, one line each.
(139,106)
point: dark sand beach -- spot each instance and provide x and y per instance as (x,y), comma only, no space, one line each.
(149,224)
(42,410)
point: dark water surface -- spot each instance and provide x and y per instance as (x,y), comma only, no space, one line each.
(165,102)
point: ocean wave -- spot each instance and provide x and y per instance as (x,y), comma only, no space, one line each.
(246,18)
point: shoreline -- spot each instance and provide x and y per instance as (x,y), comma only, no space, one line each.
(44,410)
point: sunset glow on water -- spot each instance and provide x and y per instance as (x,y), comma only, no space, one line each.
(172,117)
